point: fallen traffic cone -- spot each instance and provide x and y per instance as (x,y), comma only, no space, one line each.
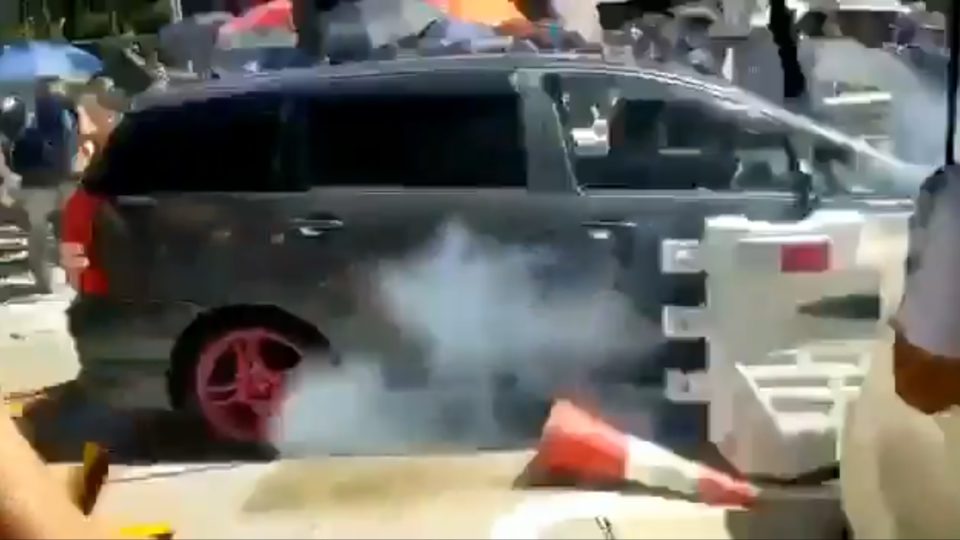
(582,447)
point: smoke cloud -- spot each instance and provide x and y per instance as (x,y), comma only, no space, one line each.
(919,114)
(498,331)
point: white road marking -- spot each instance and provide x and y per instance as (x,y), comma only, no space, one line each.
(536,515)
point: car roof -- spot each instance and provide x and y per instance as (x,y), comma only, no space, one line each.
(470,70)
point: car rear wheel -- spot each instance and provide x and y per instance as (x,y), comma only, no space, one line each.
(236,376)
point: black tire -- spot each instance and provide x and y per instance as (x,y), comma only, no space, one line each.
(208,329)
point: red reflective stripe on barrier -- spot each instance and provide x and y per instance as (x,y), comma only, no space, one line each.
(812,257)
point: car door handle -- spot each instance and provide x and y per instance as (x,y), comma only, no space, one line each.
(136,200)
(602,229)
(316,227)
(609,224)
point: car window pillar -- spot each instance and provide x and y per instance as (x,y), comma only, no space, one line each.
(548,166)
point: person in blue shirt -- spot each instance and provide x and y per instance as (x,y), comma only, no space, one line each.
(45,158)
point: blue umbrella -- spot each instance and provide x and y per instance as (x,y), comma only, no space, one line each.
(27,61)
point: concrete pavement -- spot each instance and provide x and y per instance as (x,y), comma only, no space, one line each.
(35,347)
(432,496)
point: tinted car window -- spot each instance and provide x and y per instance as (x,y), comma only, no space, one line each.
(626,133)
(415,141)
(224,144)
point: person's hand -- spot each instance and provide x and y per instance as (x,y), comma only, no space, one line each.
(14,181)
(11,184)
(84,157)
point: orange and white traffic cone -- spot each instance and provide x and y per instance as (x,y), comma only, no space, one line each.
(579,446)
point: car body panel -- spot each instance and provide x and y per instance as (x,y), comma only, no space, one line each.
(312,251)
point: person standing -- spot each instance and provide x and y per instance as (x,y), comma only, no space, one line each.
(45,158)
(99,113)
(13,121)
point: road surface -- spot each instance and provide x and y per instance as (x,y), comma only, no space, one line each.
(476,495)
(168,470)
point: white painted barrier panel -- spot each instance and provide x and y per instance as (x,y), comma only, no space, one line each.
(782,365)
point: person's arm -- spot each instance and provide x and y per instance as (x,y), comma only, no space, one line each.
(9,183)
(926,352)
(6,173)
(33,504)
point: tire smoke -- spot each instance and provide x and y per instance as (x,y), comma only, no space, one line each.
(500,329)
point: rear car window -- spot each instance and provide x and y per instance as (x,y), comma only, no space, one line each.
(414,141)
(224,144)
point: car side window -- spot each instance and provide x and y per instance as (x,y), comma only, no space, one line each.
(415,140)
(223,144)
(631,133)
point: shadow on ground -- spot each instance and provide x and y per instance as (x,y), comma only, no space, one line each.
(790,513)
(59,426)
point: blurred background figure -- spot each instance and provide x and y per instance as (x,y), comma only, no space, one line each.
(13,122)
(46,158)
(192,42)
(98,108)
(818,23)
(694,45)
(157,70)
(650,37)
(580,16)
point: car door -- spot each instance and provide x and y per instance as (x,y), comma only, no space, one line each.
(195,208)
(666,156)
(413,179)
(219,214)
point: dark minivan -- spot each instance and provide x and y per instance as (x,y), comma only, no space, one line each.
(228,230)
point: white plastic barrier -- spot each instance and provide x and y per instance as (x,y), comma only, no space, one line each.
(779,379)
